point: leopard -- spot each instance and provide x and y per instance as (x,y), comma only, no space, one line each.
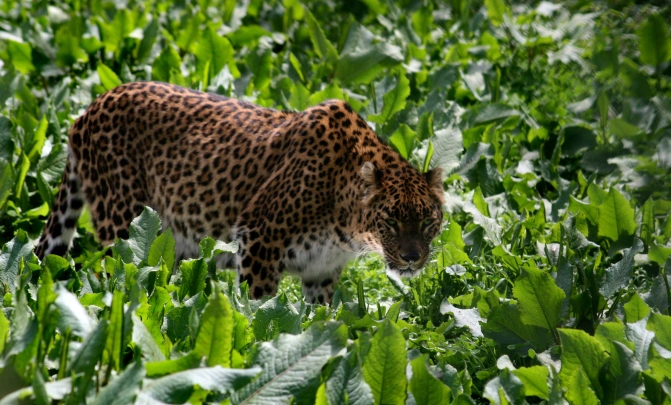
(302,192)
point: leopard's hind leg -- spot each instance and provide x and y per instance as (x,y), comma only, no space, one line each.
(62,223)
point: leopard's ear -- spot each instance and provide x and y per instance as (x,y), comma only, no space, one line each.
(435,179)
(372,180)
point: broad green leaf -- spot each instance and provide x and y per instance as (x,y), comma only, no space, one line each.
(215,49)
(636,309)
(4,331)
(7,179)
(504,389)
(321,44)
(464,318)
(73,315)
(616,217)
(115,333)
(168,61)
(504,325)
(393,101)
(618,275)
(108,78)
(426,388)
(163,247)
(535,380)
(661,325)
(124,388)
(299,99)
(447,145)
(496,10)
(149,35)
(165,367)
(177,388)
(384,366)
(193,274)
(538,298)
(143,339)
(292,364)
(38,139)
(627,372)
(22,167)
(21,56)
(275,316)
(346,384)
(143,231)
(215,336)
(362,57)
(581,353)
(19,248)
(403,140)
(91,350)
(581,391)
(654,42)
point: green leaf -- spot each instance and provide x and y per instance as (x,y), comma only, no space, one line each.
(166,62)
(193,274)
(636,309)
(177,388)
(275,316)
(346,384)
(108,78)
(581,353)
(535,380)
(143,231)
(19,248)
(144,340)
(653,41)
(165,367)
(504,389)
(73,315)
(426,388)
(4,331)
(91,350)
(7,180)
(403,140)
(618,275)
(38,139)
(447,145)
(661,325)
(22,167)
(215,335)
(616,217)
(496,10)
(115,334)
(581,391)
(21,56)
(149,35)
(363,56)
(292,365)
(215,49)
(300,96)
(163,247)
(124,388)
(627,371)
(321,44)
(538,297)
(393,101)
(384,367)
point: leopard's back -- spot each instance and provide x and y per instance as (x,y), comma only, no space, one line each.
(194,157)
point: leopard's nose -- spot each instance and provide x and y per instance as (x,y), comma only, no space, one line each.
(410,257)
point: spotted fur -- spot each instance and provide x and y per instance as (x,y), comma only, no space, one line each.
(303,192)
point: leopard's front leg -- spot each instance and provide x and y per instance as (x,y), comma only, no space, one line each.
(320,290)
(262,274)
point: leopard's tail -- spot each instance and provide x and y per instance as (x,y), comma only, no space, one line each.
(62,223)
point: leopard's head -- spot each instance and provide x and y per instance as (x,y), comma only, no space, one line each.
(402,214)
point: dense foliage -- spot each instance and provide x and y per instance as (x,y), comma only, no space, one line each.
(550,281)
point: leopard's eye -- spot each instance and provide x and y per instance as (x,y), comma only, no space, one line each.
(426,223)
(390,221)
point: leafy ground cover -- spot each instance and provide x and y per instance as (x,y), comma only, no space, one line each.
(550,281)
